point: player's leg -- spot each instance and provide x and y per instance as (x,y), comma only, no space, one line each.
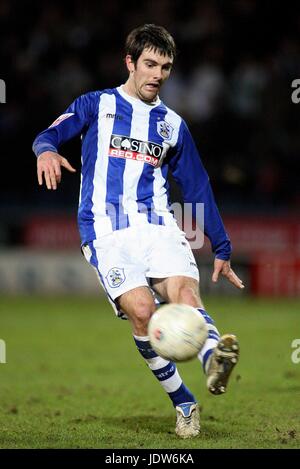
(218,355)
(182,289)
(138,305)
(175,277)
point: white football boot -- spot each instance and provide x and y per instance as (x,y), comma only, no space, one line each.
(188,420)
(221,363)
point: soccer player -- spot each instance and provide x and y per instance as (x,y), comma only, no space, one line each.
(130,140)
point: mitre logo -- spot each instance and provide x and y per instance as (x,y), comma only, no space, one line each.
(118,117)
(133,149)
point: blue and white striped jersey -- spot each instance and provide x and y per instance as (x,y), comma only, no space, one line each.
(128,147)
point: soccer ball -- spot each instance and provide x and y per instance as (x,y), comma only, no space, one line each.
(177,332)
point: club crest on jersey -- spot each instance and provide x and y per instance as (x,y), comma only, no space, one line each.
(61,118)
(115,277)
(165,130)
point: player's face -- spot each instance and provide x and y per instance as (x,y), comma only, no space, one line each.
(148,74)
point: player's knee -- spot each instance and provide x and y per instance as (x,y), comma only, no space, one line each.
(187,294)
(142,314)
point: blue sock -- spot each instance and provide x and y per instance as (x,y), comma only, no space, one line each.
(165,371)
(211,341)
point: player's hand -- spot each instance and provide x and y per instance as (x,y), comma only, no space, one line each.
(224,268)
(49,165)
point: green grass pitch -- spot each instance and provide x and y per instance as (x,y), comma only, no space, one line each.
(73,379)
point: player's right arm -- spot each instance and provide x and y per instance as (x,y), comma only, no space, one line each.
(49,166)
(65,127)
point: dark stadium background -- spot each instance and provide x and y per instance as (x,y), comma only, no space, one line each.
(232,84)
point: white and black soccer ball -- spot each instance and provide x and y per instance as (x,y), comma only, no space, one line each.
(177,332)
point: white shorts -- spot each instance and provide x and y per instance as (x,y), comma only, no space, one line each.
(128,258)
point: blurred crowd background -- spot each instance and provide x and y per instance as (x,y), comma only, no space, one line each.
(231,82)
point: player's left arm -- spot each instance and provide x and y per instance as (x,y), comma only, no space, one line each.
(224,268)
(190,174)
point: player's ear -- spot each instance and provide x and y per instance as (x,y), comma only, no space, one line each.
(129,63)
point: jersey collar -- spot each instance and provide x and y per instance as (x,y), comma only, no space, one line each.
(133,100)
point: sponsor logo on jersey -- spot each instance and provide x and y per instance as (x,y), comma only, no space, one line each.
(61,118)
(165,130)
(115,277)
(134,149)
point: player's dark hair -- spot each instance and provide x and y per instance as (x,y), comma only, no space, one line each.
(149,36)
